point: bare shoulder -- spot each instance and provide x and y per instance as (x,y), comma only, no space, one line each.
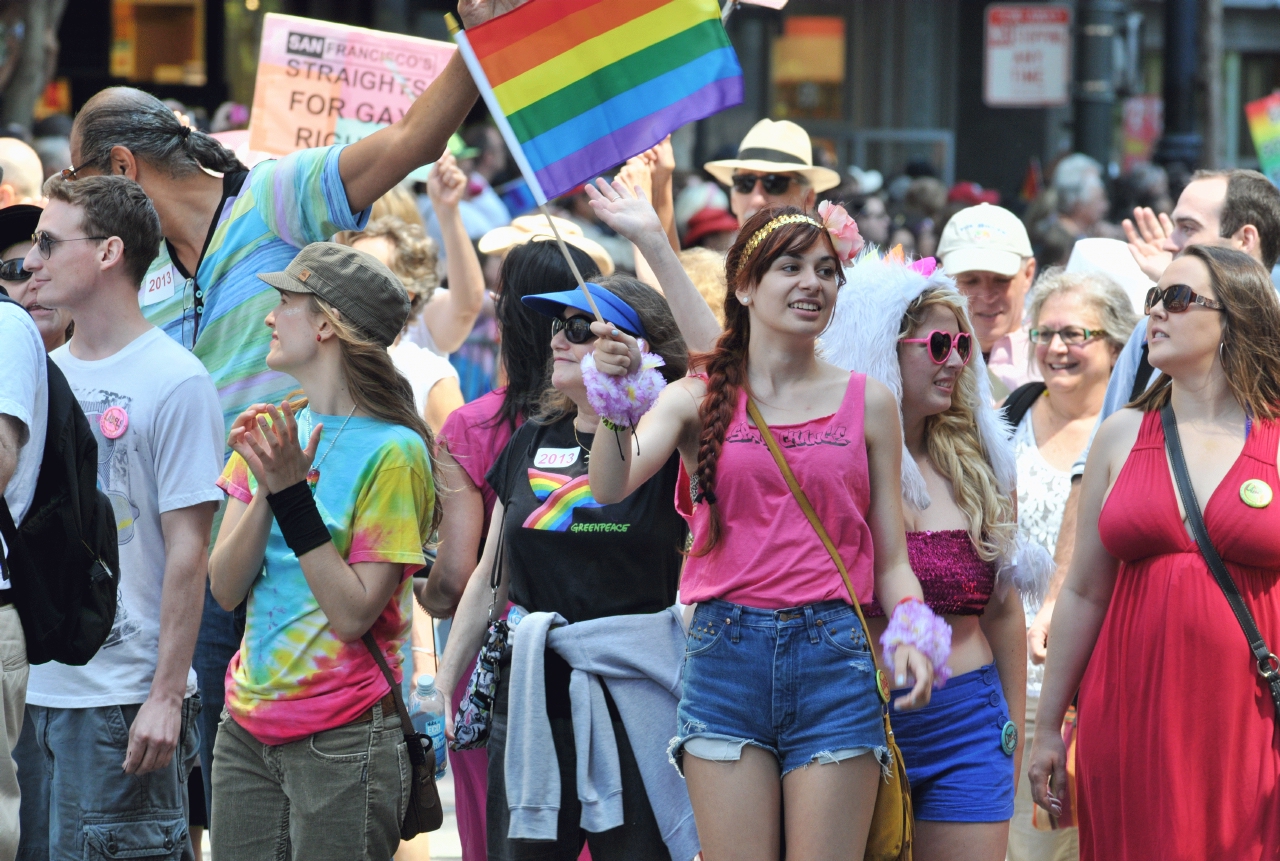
(1113,442)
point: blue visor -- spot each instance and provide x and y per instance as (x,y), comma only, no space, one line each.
(612,308)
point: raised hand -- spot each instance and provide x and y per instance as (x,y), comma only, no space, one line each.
(1148,235)
(626,211)
(447,183)
(637,173)
(616,352)
(661,159)
(473,12)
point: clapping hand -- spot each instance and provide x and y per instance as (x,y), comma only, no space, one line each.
(447,183)
(626,211)
(271,448)
(1148,235)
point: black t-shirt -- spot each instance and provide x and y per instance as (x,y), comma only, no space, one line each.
(566,553)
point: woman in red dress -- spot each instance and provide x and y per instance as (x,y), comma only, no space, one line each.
(1178,755)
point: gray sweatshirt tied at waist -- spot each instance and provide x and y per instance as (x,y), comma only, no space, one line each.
(640,658)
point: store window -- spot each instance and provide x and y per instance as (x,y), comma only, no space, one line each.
(809,68)
(158,41)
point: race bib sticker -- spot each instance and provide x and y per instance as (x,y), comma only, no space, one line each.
(556,458)
(160,285)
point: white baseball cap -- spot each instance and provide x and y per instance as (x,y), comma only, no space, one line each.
(984,238)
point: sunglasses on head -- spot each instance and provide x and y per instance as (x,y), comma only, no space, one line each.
(1177,298)
(576,329)
(943,344)
(11,270)
(773,183)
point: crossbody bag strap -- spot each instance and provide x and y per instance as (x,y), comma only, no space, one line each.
(406,725)
(798,492)
(1267,664)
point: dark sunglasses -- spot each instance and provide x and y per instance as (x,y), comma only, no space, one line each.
(11,270)
(576,329)
(774,183)
(1177,298)
(942,344)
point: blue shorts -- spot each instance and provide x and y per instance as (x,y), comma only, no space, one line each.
(798,683)
(958,770)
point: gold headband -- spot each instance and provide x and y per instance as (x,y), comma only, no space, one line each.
(773,225)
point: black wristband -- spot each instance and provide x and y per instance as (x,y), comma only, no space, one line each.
(299,519)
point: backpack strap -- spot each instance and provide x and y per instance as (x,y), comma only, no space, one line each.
(1020,400)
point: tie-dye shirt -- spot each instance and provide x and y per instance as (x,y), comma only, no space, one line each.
(292,676)
(264,220)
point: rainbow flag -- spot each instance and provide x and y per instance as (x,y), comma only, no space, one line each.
(579,86)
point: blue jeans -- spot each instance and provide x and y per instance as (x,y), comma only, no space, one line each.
(799,683)
(216,644)
(77,802)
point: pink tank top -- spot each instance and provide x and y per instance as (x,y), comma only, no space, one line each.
(768,555)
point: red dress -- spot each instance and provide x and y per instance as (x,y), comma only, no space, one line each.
(1179,754)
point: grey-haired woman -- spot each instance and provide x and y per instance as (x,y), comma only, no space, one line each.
(1079,324)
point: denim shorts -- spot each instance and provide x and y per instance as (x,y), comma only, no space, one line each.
(799,683)
(957,768)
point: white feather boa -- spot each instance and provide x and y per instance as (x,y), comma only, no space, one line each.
(863,336)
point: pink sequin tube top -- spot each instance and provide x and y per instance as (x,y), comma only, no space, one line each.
(955,580)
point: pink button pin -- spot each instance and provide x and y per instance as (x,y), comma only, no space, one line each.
(113,422)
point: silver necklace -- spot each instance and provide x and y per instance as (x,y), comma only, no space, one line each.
(313,474)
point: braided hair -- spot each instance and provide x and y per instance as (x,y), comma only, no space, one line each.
(142,124)
(725,366)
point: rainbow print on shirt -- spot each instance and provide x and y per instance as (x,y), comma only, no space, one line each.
(560,495)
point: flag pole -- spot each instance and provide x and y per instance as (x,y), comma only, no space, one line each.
(513,144)
(727,10)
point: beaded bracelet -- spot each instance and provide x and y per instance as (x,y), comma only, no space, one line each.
(914,624)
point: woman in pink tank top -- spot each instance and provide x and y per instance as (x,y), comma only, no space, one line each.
(779,693)
(1176,710)
(961,753)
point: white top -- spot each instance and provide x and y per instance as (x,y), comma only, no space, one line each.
(423,369)
(24,394)
(168,458)
(1042,499)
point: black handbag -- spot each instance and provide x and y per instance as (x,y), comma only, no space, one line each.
(1268,665)
(474,717)
(424,812)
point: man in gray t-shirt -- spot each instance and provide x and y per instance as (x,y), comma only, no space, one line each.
(1231,208)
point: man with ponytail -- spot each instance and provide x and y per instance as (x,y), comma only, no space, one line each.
(220,232)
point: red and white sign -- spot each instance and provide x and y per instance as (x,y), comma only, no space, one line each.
(1028,56)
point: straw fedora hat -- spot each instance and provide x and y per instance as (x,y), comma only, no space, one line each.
(775,147)
(534,228)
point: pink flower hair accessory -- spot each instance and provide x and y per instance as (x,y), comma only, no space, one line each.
(843,230)
(914,624)
(621,401)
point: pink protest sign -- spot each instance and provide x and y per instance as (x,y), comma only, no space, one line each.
(320,83)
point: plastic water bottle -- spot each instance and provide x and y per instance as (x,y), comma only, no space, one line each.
(426,710)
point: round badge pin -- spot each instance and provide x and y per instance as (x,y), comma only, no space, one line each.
(1009,738)
(113,422)
(1256,493)
(882,685)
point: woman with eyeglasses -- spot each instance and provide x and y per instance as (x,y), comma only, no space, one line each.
(962,750)
(1079,325)
(563,552)
(1176,751)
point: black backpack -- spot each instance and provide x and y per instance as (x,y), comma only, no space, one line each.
(1019,401)
(64,562)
